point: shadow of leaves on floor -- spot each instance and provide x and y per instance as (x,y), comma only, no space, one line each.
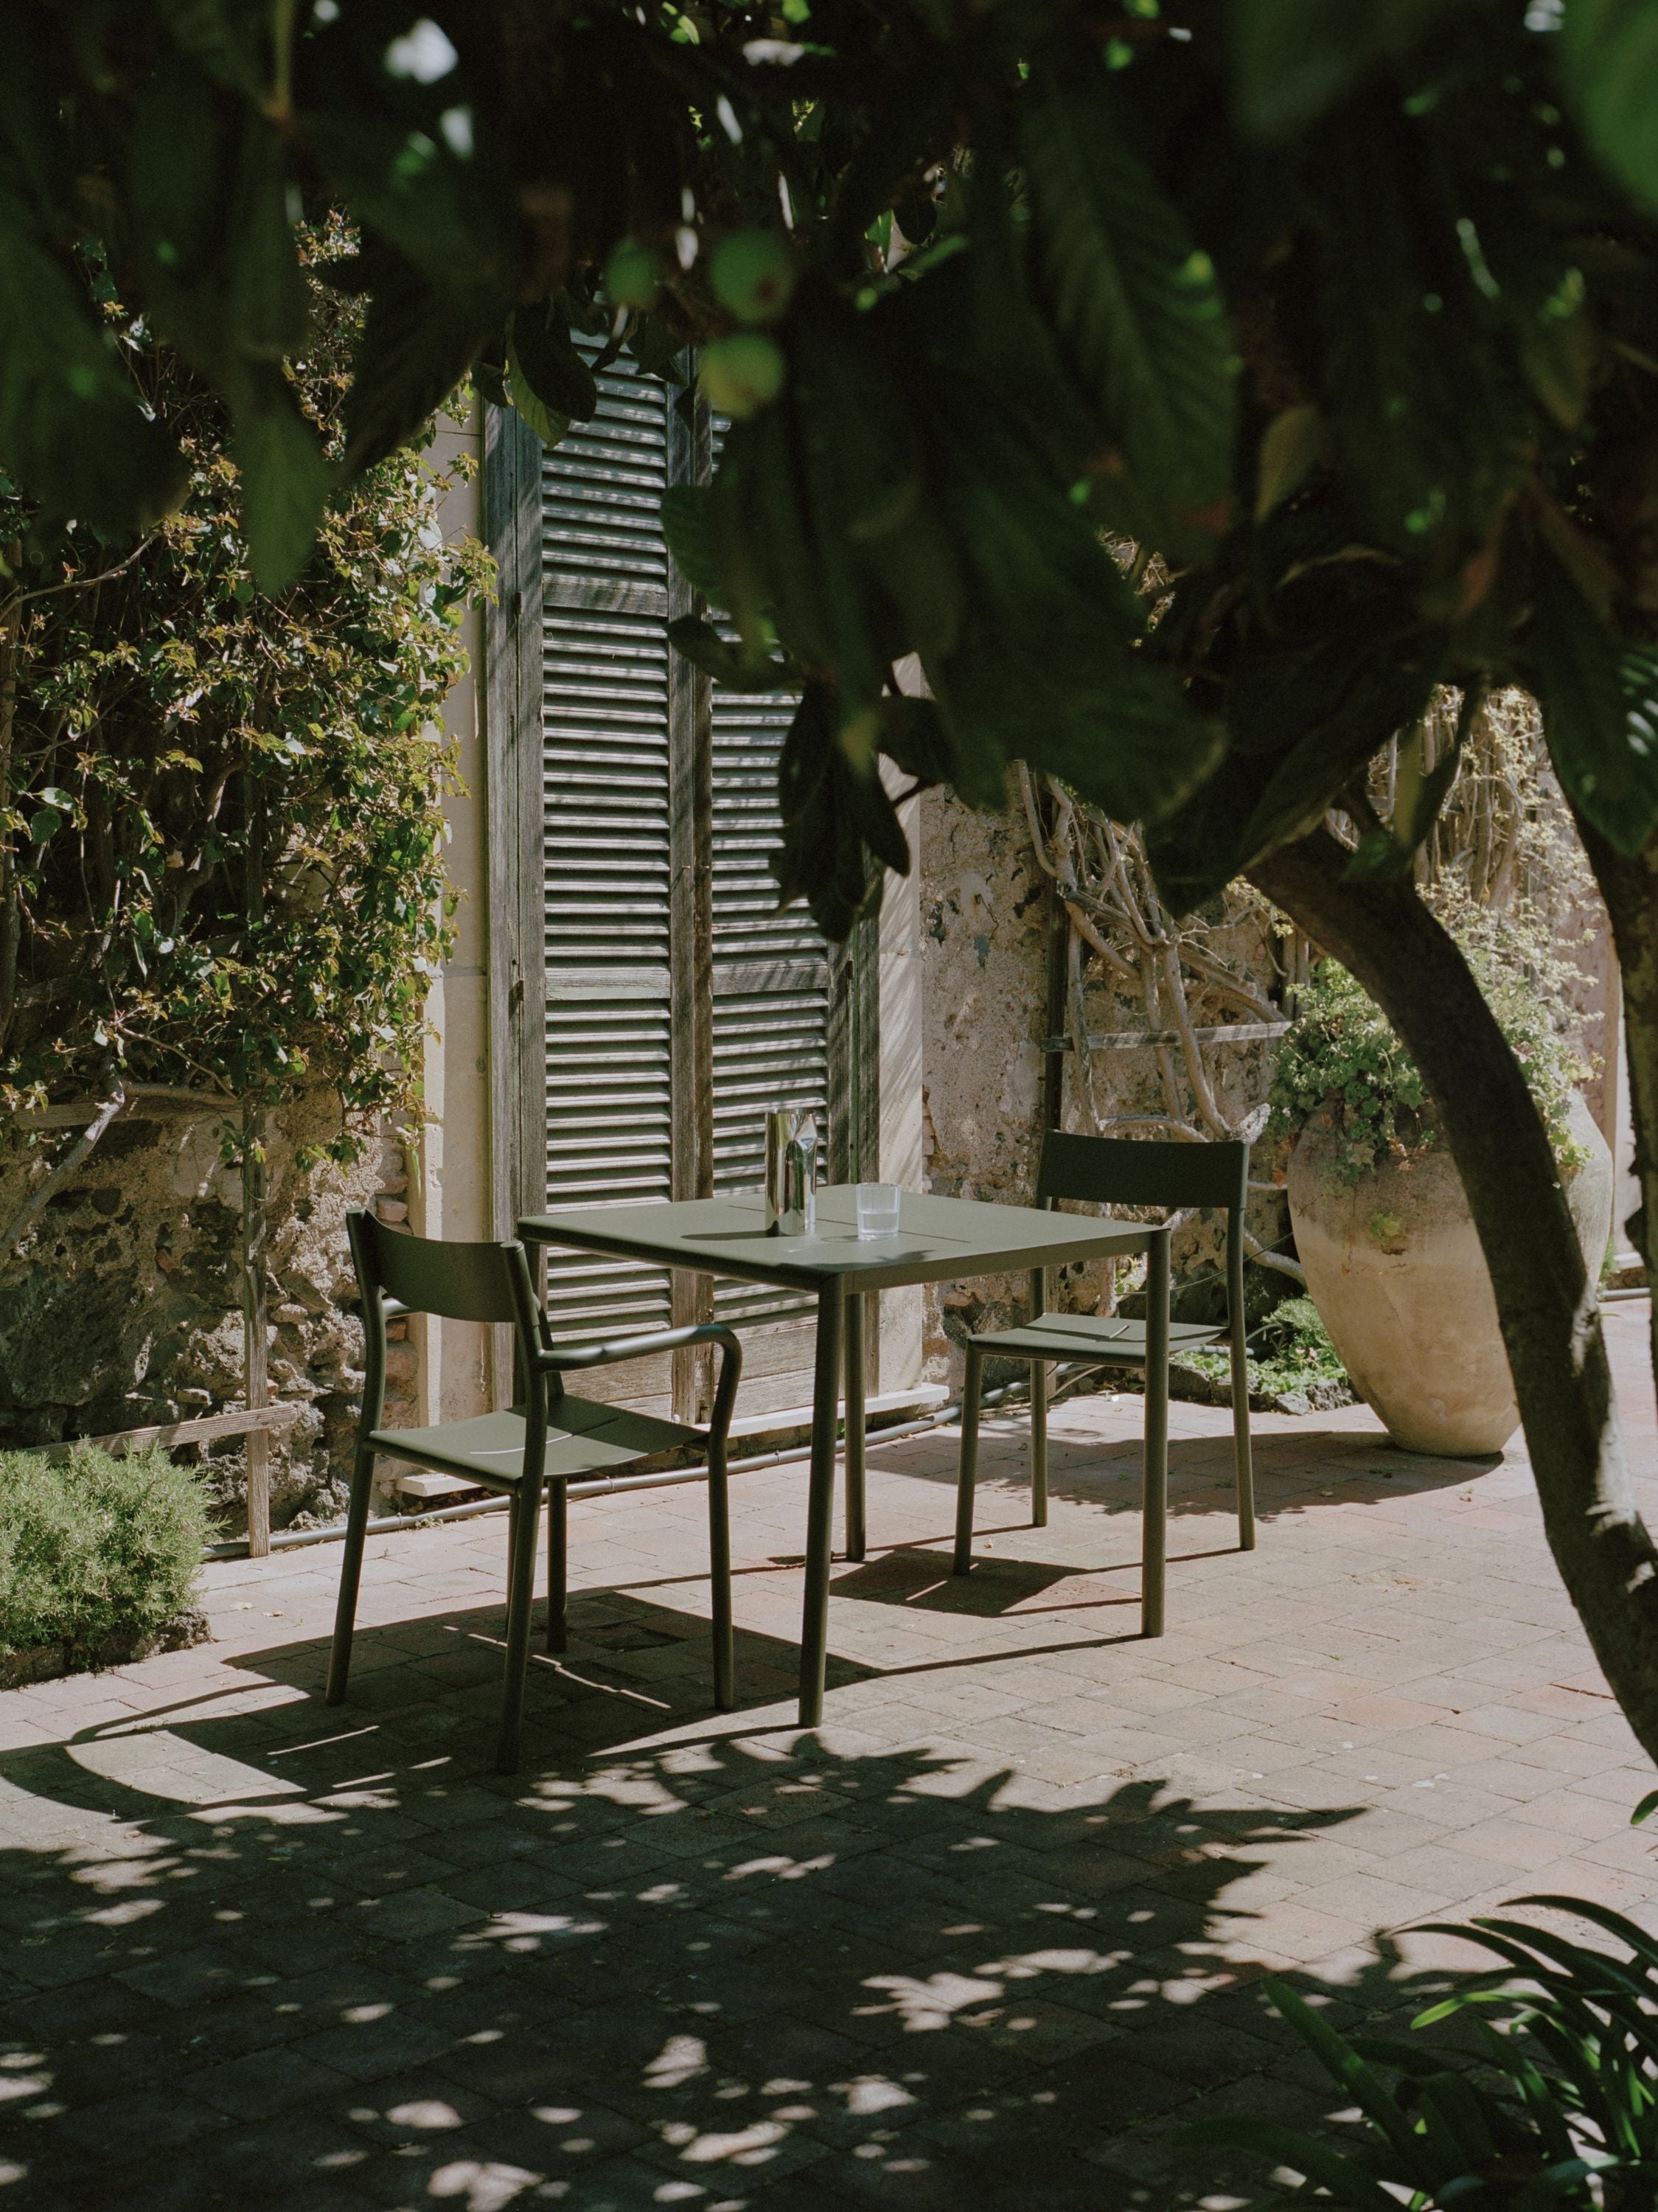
(262,1953)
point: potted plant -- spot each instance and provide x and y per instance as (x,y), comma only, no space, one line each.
(1382,1224)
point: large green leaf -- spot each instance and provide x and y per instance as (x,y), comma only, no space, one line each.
(703,646)
(228,37)
(695,523)
(1293,58)
(286,481)
(1429,412)
(31,118)
(854,411)
(175,151)
(1609,55)
(702,524)
(1135,302)
(836,816)
(1048,666)
(1599,694)
(548,425)
(70,426)
(267,296)
(416,345)
(451,217)
(545,355)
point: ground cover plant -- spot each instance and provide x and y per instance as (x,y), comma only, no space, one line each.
(1290,1357)
(95,1551)
(1552,2101)
(1347,319)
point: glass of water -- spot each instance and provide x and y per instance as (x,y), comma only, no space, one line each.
(878,1209)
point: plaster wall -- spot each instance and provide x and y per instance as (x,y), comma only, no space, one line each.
(450,1191)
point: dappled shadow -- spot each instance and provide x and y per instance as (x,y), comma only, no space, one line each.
(264,1953)
(1296,1472)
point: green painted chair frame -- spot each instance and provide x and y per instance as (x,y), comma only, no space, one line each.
(547,1441)
(1116,1171)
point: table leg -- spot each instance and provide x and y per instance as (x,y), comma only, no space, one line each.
(1155,1503)
(854,1402)
(820,1505)
(1038,1409)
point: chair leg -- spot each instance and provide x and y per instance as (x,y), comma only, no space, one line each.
(520,1599)
(852,1352)
(1039,1444)
(558,1572)
(345,1616)
(1243,1465)
(1243,1468)
(969,1462)
(719,1575)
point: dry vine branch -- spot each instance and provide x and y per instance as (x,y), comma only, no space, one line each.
(1105,890)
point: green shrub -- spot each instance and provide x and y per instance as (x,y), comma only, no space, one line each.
(1340,1054)
(95,1548)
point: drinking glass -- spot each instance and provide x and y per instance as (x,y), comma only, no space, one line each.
(878,1209)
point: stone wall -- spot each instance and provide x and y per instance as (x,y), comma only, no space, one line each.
(124,1307)
(984,923)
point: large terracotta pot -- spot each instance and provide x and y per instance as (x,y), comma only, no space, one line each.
(1395,1267)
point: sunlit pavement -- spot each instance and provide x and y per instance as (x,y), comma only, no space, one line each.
(992,1936)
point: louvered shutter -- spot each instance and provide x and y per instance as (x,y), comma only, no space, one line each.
(606,852)
(771,979)
(612,960)
(771,976)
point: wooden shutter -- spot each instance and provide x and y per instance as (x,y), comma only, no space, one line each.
(607,861)
(771,972)
(639,761)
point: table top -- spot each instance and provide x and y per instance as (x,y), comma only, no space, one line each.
(937,1239)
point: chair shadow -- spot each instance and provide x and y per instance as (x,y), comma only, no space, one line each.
(337,1962)
(1296,1472)
(908,1576)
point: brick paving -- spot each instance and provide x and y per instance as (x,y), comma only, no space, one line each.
(992,1936)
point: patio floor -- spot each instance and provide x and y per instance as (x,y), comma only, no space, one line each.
(991,1936)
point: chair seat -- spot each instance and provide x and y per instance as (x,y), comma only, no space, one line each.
(584,1437)
(1100,1339)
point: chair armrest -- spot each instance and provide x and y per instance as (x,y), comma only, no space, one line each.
(665,1339)
(561,1356)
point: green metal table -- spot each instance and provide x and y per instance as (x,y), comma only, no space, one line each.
(937,1240)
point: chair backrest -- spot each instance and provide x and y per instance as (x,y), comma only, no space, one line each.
(1143,1171)
(461,1282)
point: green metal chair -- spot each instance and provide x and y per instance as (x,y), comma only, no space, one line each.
(1116,1171)
(547,1441)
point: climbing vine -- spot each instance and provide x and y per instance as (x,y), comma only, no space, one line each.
(220,862)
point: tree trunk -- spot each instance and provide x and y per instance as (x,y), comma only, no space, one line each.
(1387,938)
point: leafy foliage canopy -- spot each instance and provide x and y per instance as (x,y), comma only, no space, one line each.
(1350,316)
